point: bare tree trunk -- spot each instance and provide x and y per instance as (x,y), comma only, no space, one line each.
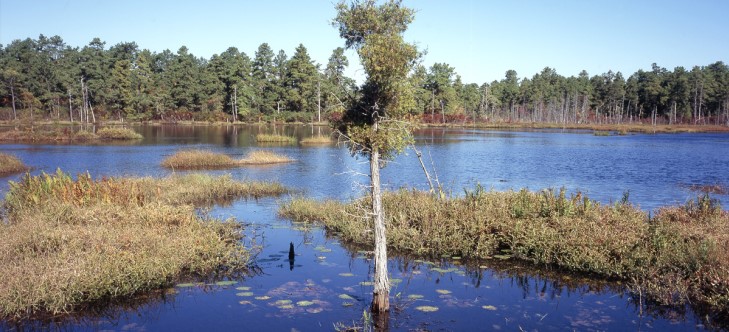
(70,108)
(234,109)
(381,294)
(318,101)
(12,96)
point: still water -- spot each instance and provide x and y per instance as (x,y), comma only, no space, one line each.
(327,284)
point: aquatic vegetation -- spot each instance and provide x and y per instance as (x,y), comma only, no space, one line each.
(304,303)
(415,296)
(273,138)
(200,159)
(442,291)
(86,240)
(54,135)
(489,307)
(262,298)
(318,139)
(262,157)
(244,294)
(225,283)
(675,255)
(345,297)
(10,164)
(112,133)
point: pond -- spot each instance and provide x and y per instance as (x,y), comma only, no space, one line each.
(328,283)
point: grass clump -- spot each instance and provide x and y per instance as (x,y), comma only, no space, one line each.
(273,138)
(318,139)
(56,135)
(261,157)
(67,243)
(199,159)
(10,164)
(677,255)
(118,134)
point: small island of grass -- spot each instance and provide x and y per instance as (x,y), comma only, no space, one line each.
(10,164)
(65,243)
(200,159)
(316,140)
(678,245)
(111,133)
(273,138)
(68,135)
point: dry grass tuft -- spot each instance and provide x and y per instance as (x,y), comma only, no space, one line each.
(318,139)
(57,135)
(10,164)
(199,159)
(272,138)
(261,157)
(65,243)
(682,246)
(118,134)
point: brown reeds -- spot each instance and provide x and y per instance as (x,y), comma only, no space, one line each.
(273,138)
(317,140)
(680,246)
(200,159)
(112,133)
(10,164)
(65,243)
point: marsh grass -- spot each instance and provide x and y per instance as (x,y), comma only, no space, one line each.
(200,159)
(318,139)
(55,135)
(677,255)
(65,243)
(261,157)
(10,164)
(273,138)
(112,133)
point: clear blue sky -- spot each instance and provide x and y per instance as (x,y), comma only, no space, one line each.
(481,39)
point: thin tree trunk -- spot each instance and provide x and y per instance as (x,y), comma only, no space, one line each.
(12,96)
(318,101)
(381,294)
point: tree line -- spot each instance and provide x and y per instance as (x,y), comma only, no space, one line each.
(46,78)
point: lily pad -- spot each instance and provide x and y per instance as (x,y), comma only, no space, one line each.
(314,310)
(366,283)
(443,291)
(345,297)
(243,288)
(415,296)
(347,304)
(226,283)
(262,298)
(286,306)
(426,308)
(245,302)
(489,307)
(304,303)
(244,294)
(282,302)
(346,274)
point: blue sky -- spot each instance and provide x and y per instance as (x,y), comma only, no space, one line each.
(481,39)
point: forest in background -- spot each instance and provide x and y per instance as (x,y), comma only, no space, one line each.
(45,78)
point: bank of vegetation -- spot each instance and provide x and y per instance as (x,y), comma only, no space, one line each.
(675,255)
(45,78)
(67,243)
(10,164)
(201,159)
(67,134)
